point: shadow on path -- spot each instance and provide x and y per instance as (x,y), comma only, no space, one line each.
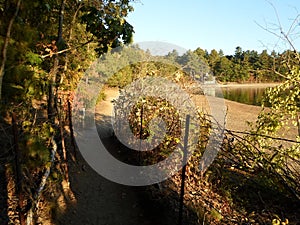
(102,202)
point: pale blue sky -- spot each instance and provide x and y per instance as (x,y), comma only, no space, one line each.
(213,24)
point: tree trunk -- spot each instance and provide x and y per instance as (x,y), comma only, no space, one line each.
(53,74)
(298,122)
(5,45)
(71,35)
(51,94)
(71,130)
(19,176)
(60,21)
(30,213)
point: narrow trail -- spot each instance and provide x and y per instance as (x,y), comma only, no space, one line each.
(102,202)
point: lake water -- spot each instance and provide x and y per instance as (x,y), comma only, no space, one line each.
(246,95)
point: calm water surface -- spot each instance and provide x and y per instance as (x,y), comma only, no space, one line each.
(246,95)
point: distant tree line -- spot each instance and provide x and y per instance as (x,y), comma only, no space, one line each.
(243,66)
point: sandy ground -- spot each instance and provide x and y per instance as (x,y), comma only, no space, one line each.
(104,111)
(237,116)
(237,113)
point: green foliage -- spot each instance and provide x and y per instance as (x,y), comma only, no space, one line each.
(223,70)
(108,25)
(168,119)
(134,63)
(36,153)
(101,97)
(34,32)
(243,66)
(149,108)
(277,157)
(33,59)
(194,64)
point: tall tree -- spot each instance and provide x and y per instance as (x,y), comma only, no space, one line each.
(173,56)
(238,54)
(195,65)
(223,70)
(213,58)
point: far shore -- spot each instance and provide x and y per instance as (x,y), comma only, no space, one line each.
(245,85)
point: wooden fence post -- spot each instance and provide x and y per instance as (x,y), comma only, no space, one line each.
(184,161)
(71,129)
(141,134)
(61,129)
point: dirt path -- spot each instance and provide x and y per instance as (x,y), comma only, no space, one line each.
(102,202)
(104,112)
